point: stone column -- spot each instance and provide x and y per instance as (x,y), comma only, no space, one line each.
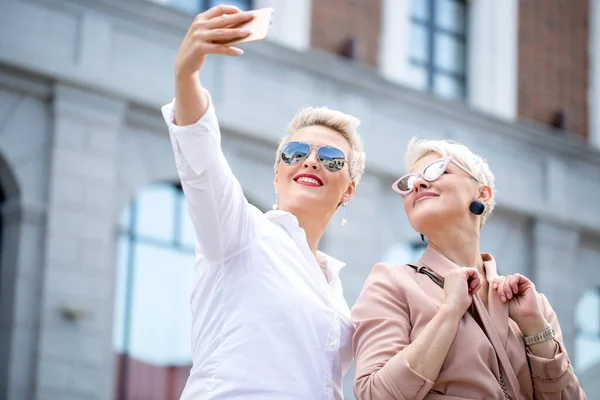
(555,257)
(75,359)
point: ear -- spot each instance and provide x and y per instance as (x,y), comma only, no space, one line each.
(485,194)
(349,193)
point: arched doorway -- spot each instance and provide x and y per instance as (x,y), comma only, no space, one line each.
(154,280)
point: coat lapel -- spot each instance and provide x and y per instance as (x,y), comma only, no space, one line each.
(495,321)
(498,311)
(510,378)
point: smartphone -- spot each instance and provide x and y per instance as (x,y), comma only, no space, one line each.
(258,26)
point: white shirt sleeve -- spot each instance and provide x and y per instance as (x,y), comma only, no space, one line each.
(223,219)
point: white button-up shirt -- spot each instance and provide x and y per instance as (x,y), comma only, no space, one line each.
(266,323)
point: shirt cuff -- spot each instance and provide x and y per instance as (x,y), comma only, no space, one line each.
(196,144)
(551,374)
(407,383)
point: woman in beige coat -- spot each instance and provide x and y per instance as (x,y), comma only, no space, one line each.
(448,326)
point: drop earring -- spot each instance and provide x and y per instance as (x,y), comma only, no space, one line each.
(276,205)
(343,221)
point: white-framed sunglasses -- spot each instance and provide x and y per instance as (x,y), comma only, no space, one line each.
(405,184)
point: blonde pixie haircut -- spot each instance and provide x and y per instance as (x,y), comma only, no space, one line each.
(345,124)
(475,164)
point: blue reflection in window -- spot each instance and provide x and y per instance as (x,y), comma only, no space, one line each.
(438,46)
(154,278)
(587,320)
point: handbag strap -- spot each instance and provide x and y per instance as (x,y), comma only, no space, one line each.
(438,280)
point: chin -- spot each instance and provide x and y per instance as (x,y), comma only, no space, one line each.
(424,219)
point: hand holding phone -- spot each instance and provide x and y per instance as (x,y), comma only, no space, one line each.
(258,27)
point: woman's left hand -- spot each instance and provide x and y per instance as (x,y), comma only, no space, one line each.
(523,302)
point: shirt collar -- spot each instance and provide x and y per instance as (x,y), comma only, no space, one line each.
(289,222)
(437,262)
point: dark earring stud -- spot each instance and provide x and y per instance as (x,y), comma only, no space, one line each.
(422,237)
(477,207)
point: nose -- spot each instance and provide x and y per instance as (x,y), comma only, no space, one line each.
(311,160)
(420,184)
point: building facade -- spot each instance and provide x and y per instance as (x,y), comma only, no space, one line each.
(96,250)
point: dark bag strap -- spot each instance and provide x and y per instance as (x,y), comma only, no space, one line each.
(438,280)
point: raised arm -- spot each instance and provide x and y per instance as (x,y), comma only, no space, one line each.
(388,365)
(223,220)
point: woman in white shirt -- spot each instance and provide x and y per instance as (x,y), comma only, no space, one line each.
(269,320)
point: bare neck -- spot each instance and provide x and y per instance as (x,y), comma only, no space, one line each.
(314,226)
(461,247)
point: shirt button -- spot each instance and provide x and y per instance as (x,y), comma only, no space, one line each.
(329,384)
(332,345)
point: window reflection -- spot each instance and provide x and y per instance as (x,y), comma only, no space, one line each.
(156,206)
(438,46)
(450,15)
(446,87)
(587,320)
(449,53)
(154,280)
(404,253)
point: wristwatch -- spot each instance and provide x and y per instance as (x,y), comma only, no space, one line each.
(540,337)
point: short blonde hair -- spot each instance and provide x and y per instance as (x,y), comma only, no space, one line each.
(345,124)
(475,164)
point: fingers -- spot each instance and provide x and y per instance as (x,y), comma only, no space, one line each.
(513,283)
(498,286)
(225,21)
(509,286)
(219,10)
(473,279)
(223,35)
(224,50)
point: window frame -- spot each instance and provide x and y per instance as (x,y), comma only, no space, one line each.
(433,31)
(128,231)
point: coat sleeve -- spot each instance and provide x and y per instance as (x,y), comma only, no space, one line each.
(554,378)
(383,327)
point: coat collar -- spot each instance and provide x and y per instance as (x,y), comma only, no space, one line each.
(437,262)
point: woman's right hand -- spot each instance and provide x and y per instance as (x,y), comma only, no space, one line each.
(210,28)
(459,287)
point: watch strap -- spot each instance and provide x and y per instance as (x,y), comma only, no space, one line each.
(540,337)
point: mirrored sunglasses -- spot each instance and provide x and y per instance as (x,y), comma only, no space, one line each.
(332,158)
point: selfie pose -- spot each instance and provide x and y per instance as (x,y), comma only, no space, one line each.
(448,326)
(269,320)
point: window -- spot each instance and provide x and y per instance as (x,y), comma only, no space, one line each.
(196,6)
(438,47)
(400,254)
(587,320)
(154,280)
